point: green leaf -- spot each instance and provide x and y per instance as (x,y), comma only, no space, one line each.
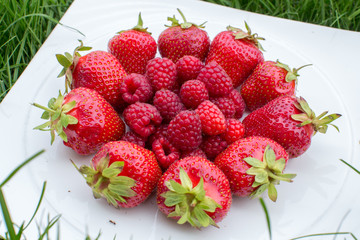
(123,180)
(172,198)
(63,61)
(177,187)
(269,156)
(72,120)
(199,190)
(185,180)
(110,172)
(45,115)
(272,193)
(43,126)
(64,120)
(121,190)
(262,177)
(254,162)
(202,217)
(68,106)
(63,136)
(279,165)
(103,163)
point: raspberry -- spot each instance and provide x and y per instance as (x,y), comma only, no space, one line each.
(213,121)
(165,152)
(142,118)
(234,130)
(184,131)
(160,131)
(193,92)
(239,103)
(213,146)
(136,88)
(226,106)
(188,68)
(161,72)
(168,104)
(194,153)
(216,80)
(132,137)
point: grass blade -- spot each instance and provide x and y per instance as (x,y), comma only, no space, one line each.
(20,166)
(7,218)
(38,205)
(325,234)
(350,166)
(267,216)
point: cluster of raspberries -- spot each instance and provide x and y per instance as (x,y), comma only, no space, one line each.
(182,109)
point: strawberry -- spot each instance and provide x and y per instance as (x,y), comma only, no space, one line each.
(253,165)
(182,39)
(133,48)
(123,173)
(83,119)
(98,70)
(268,81)
(289,121)
(237,52)
(194,190)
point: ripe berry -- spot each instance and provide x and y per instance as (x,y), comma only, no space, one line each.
(188,67)
(213,121)
(136,88)
(234,130)
(226,105)
(160,131)
(142,118)
(184,131)
(239,102)
(216,80)
(192,93)
(168,104)
(193,153)
(132,137)
(161,72)
(213,146)
(165,152)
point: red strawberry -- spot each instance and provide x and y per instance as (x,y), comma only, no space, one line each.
(237,52)
(182,39)
(253,165)
(289,121)
(123,173)
(213,121)
(216,80)
(184,131)
(83,119)
(161,72)
(133,48)
(142,118)
(98,70)
(268,81)
(194,190)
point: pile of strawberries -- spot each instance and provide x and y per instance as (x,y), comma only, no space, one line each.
(173,123)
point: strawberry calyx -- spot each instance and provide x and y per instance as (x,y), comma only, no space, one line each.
(292,75)
(268,173)
(105,181)
(249,36)
(69,63)
(319,123)
(185,25)
(139,26)
(56,114)
(191,203)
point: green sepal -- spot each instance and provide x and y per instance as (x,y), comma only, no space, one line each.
(191,203)
(105,181)
(185,25)
(138,27)
(252,37)
(319,123)
(58,119)
(268,174)
(293,74)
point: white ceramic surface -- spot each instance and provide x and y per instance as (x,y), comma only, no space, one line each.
(324,196)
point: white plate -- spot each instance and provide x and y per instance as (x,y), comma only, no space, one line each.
(322,197)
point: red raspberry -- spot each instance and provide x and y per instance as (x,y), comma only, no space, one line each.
(188,67)
(213,146)
(160,131)
(132,137)
(226,105)
(184,131)
(193,92)
(239,103)
(216,80)
(142,118)
(194,153)
(213,121)
(234,130)
(168,104)
(136,88)
(165,152)
(161,72)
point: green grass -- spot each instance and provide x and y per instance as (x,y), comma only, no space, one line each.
(25,24)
